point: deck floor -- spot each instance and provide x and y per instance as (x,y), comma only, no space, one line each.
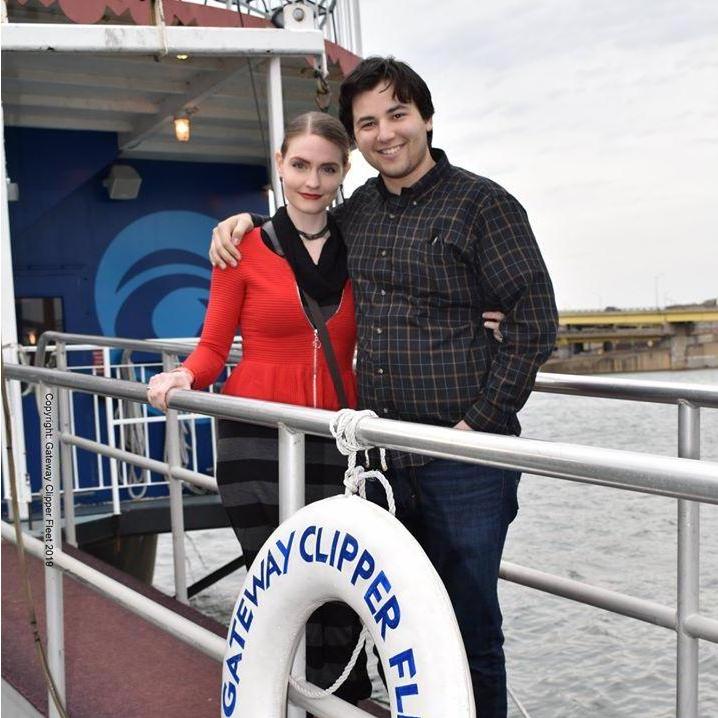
(116,663)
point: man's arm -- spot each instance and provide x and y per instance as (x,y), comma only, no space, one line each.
(516,279)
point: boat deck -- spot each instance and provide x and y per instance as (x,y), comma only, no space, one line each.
(117,664)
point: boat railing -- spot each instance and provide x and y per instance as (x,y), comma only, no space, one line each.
(338,19)
(684,478)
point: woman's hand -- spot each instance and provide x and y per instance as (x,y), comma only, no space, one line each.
(225,238)
(493,322)
(161,384)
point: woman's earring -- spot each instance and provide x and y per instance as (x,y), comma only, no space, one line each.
(281,187)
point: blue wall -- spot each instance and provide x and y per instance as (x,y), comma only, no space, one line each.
(135,268)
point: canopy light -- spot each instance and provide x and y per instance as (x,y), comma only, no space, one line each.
(182,128)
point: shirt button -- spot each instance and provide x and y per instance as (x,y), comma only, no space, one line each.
(414,203)
(380,371)
(378,330)
(392,216)
(383,292)
(385,410)
(383,252)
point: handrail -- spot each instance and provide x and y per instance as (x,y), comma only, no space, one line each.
(686,479)
(633,389)
(568,384)
(667,476)
(148,346)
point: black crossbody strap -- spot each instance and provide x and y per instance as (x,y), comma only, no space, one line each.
(319,323)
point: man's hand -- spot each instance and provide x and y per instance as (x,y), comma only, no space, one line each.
(493,322)
(225,238)
(463,426)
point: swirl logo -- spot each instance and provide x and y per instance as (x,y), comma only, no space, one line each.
(153,279)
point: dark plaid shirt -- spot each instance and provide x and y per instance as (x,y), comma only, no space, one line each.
(425,264)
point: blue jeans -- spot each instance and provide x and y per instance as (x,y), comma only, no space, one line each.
(460,513)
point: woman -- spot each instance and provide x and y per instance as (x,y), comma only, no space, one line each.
(283,360)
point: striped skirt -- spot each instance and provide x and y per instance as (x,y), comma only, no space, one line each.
(247,471)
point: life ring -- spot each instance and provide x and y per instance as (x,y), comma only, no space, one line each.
(347,549)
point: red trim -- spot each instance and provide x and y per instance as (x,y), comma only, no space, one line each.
(88,12)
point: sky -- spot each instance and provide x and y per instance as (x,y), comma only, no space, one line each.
(601,118)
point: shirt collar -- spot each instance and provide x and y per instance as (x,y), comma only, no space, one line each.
(427,182)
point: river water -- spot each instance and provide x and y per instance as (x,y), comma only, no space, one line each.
(565,659)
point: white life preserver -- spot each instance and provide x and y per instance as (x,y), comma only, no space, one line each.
(347,549)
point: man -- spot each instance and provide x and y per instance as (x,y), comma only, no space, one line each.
(431,246)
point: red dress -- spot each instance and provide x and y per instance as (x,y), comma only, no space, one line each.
(282,359)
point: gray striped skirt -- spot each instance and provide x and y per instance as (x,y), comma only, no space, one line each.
(247,460)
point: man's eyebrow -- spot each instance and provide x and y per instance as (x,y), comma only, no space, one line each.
(393,108)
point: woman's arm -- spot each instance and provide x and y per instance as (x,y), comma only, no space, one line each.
(203,365)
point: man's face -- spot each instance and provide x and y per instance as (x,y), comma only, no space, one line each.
(392,136)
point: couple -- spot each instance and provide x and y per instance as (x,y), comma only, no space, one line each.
(429,247)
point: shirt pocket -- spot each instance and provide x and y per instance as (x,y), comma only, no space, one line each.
(441,270)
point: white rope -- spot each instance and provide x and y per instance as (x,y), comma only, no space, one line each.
(161,27)
(343,428)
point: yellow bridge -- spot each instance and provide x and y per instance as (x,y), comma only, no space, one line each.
(638,317)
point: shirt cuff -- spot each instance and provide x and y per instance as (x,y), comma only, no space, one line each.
(483,416)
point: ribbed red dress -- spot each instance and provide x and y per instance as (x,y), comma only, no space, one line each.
(282,358)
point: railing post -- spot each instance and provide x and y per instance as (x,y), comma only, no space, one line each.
(291,499)
(689,438)
(110,427)
(172,450)
(64,397)
(52,537)
(275,108)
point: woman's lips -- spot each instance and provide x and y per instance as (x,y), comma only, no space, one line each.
(310,196)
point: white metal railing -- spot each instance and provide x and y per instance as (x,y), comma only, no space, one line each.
(683,478)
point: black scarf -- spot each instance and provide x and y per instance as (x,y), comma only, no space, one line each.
(324,281)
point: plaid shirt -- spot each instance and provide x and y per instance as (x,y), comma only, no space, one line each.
(424,265)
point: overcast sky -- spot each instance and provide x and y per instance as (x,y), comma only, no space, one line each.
(600,117)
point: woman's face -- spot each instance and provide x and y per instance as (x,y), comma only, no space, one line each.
(312,170)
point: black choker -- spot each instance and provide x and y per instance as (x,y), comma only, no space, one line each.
(317,235)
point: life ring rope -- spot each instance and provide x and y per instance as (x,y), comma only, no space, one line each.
(343,428)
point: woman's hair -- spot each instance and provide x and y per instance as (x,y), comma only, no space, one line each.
(322,125)
(408,87)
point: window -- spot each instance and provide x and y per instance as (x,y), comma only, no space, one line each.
(36,315)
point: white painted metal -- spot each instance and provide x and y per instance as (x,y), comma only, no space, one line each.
(52,533)
(144,40)
(276,122)
(64,397)
(172,439)
(688,583)
(10,346)
(291,499)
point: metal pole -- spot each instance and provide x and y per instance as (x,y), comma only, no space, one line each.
(172,448)
(291,499)
(689,439)
(110,427)
(64,397)
(10,345)
(276,121)
(356,18)
(52,537)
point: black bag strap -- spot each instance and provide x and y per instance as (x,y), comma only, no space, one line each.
(319,323)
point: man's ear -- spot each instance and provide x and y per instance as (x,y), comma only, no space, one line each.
(430,124)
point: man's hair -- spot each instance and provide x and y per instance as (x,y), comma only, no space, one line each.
(322,125)
(407,84)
